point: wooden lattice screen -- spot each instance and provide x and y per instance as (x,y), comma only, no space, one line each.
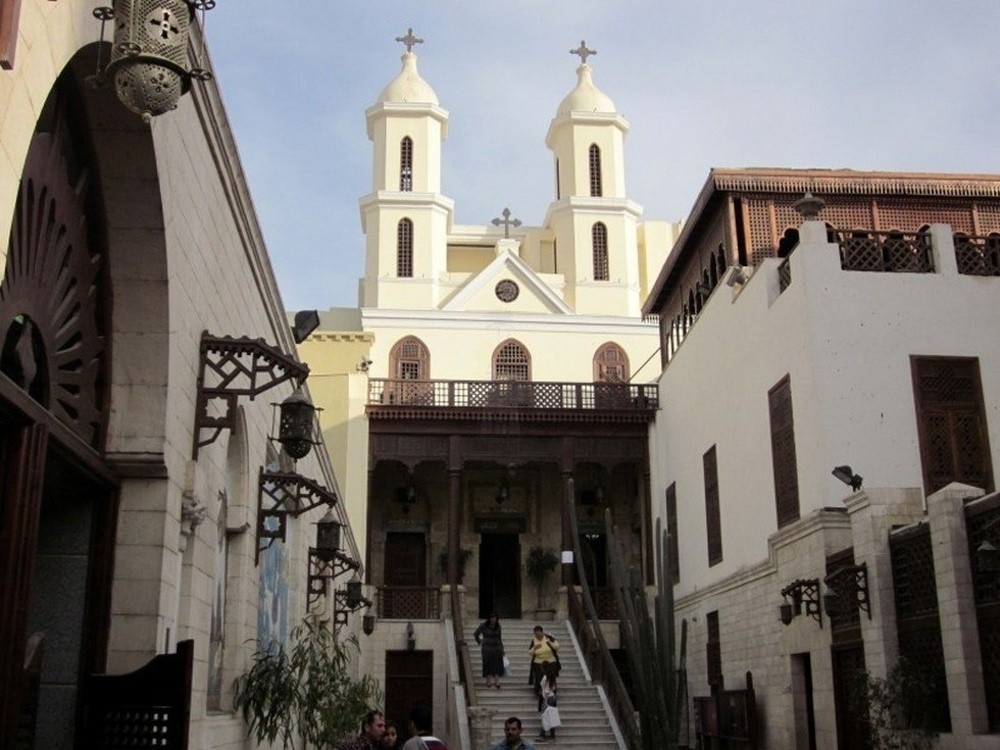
(918,624)
(786,477)
(713,517)
(983,525)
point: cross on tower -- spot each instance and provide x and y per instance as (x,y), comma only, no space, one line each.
(409,40)
(583,52)
(507,222)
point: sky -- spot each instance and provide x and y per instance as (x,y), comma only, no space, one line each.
(893,85)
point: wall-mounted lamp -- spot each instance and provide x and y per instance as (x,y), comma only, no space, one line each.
(368,623)
(411,638)
(988,557)
(503,494)
(737,277)
(233,367)
(283,494)
(803,591)
(297,424)
(149,54)
(847,476)
(407,496)
(847,591)
(304,323)
(348,600)
(326,560)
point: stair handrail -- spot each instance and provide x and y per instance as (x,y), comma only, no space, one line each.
(584,619)
(464,661)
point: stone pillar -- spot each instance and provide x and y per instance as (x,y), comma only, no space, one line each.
(454,507)
(480,724)
(957,608)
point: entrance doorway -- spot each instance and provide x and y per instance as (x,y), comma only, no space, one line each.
(500,575)
(409,682)
(848,664)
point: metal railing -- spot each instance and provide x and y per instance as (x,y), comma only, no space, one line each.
(408,602)
(464,659)
(978,256)
(510,394)
(865,250)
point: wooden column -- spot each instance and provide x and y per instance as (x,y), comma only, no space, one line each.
(645,508)
(454,507)
(569,498)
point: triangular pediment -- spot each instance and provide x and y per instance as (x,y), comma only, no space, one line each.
(506,285)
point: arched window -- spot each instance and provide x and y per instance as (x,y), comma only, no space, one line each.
(596,188)
(611,364)
(410,359)
(600,239)
(406,164)
(404,248)
(511,361)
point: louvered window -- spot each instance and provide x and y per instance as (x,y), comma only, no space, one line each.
(673,550)
(410,359)
(596,188)
(404,248)
(600,240)
(954,446)
(406,164)
(713,518)
(511,362)
(786,478)
(611,364)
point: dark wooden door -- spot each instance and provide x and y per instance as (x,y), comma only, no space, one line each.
(500,575)
(409,682)
(405,559)
(848,665)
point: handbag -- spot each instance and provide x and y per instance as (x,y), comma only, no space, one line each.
(550,718)
(506,667)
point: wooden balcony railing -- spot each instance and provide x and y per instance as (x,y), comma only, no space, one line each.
(978,256)
(510,394)
(864,250)
(408,602)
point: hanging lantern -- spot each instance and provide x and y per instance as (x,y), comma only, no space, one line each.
(327,536)
(295,428)
(354,593)
(149,57)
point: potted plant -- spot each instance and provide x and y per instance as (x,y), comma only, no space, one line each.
(305,695)
(464,555)
(540,562)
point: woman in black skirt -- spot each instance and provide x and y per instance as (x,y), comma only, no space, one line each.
(488,635)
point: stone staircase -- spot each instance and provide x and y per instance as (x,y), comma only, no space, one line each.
(585,723)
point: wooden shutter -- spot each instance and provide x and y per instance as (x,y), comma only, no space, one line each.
(673,550)
(954,446)
(786,478)
(713,520)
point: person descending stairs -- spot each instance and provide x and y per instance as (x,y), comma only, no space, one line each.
(585,721)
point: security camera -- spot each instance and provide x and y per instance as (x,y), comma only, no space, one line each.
(364,364)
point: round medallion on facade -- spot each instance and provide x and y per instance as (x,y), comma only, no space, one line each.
(507,290)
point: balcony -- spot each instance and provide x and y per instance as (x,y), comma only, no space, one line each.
(477,397)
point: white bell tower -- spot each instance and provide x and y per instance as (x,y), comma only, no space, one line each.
(405,218)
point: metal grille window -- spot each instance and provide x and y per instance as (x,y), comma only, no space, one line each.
(673,550)
(600,239)
(511,361)
(611,364)
(406,165)
(713,649)
(713,516)
(596,188)
(951,421)
(786,477)
(404,248)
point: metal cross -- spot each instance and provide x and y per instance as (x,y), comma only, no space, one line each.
(507,222)
(583,52)
(166,27)
(409,40)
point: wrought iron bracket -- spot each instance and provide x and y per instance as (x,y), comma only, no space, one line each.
(805,591)
(323,569)
(232,367)
(287,494)
(850,585)
(340,608)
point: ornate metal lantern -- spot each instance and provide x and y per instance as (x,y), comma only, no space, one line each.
(295,427)
(327,536)
(149,57)
(354,596)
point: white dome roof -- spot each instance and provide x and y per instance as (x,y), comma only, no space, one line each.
(586,97)
(408,86)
